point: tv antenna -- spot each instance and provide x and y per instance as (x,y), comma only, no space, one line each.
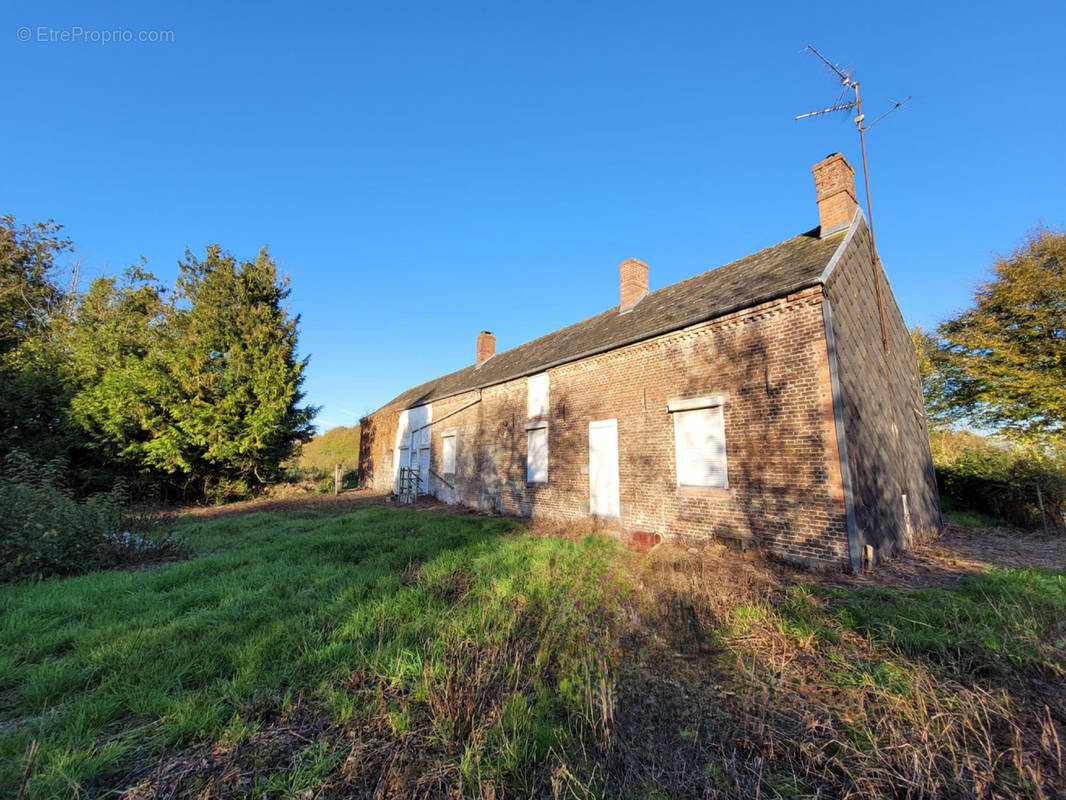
(850,99)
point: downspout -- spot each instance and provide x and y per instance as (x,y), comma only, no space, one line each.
(854,546)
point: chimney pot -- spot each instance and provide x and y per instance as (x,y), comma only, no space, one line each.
(486,346)
(834,182)
(633,281)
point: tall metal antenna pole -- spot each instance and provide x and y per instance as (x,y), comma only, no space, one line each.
(859,119)
(849,83)
(860,122)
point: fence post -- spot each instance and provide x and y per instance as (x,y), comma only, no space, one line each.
(336,479)
(1040,502)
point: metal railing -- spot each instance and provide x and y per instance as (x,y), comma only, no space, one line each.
(410,484)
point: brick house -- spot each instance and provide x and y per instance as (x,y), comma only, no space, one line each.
(774,401)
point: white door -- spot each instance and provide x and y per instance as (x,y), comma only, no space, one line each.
(603,468)
(413,444)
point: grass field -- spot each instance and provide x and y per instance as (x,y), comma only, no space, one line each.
(404,653)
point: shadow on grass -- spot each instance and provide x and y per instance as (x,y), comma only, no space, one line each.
(761,687)
(423,654)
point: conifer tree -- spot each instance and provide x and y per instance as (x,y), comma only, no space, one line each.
(230,400)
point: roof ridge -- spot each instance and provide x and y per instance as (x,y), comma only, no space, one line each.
(757,253)
(785,266)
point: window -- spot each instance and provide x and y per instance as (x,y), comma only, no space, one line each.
(538,395)
(699,440)
(537,452)
(448,453)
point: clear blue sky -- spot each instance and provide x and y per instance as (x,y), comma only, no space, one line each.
(426,170)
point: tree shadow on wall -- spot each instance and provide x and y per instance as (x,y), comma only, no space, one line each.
(777,442)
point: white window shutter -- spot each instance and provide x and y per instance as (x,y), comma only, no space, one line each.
(537,455)
(699,439)
(538,395)
(448,455)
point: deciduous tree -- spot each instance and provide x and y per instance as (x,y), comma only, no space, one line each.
(1003,362)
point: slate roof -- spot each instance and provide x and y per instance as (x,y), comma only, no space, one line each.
(794,264)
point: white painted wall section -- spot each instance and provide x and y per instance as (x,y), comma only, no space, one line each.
(412,449)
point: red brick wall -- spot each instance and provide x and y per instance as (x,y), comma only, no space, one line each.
(785,488)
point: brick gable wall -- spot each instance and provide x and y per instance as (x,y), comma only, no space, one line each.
(883,410)
(771,361)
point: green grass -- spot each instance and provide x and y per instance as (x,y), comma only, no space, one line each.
(966,517)
(1001,623)
(316,459)
(996,624)
(372,613)
(409,647)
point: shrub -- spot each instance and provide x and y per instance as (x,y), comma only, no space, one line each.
(45,531)
(976,475)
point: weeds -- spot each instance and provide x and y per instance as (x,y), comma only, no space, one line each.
(834,692)
(45,531)
(992,624)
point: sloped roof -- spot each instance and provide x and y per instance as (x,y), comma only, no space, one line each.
(793,264)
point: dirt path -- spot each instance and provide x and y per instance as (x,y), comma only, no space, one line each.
(964,551)
(341,503)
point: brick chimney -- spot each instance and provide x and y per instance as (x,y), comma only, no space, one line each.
(486,346)
(633,281)
(834,181)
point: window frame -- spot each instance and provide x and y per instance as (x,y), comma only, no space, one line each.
(715,405)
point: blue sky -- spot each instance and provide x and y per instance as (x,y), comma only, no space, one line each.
(426,170)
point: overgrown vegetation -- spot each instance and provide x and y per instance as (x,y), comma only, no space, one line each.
(45,531)
(1001,366)
(455,649)
(193,391)
(412,654)
(984,482)
(999,624)
(822,691)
